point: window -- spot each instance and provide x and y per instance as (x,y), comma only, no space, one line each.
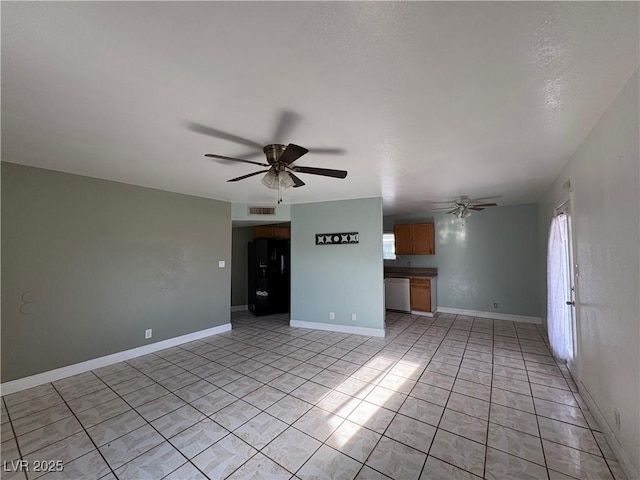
(388,246)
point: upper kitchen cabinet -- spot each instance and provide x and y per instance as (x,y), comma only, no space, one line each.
(403,239)
(415,239)
(423,239)
(272,231)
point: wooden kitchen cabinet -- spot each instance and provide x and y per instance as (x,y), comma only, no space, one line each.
(263,231)
(420,294)
(281,232)
(403,239)
(415,239)
(272,231)
(423,239)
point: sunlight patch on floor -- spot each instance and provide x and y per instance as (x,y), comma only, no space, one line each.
(408,368)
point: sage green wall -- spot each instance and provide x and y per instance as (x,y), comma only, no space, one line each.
(99,262)
(493,258)
(239,252)
(344,279)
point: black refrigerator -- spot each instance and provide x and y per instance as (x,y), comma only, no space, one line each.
(269,276)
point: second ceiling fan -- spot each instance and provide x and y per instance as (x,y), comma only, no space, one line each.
(463,206)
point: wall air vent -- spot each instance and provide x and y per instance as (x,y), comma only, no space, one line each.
(261,210)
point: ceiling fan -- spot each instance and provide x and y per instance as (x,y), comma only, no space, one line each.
(279,157)
(462,207)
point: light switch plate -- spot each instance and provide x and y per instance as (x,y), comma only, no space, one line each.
(221,264)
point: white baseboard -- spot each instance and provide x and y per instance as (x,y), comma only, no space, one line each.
(70,370)
(421,314)
(369,332)
(239,308)
(620,453)
(494,315)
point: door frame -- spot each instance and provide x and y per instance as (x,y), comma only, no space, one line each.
(566,207)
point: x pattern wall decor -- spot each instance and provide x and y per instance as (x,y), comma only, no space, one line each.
(337,238)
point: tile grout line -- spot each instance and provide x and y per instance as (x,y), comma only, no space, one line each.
(291,425)
(448,398)
(87,434)
(364,463)
(148,423)
(144,374)
(398,350)
(444,406)
(535,411)
(15,437)
(486,447)
(346,418)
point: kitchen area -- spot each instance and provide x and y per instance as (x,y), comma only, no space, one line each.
(412,289)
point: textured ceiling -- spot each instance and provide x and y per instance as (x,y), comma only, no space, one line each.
(428,100)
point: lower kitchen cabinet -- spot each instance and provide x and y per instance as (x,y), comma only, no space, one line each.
(422,295)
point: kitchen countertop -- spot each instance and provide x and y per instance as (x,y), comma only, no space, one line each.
(408,272)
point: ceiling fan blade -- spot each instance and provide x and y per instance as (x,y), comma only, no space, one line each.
(212,132)
(328,151)
(453,211)
(288,121)
(297,182)
(485,205)
(222,157)
(477,209)
(474,200)
(327,172)
(247,176)
(292,153)
(441,208)
(446,201)
(249,155)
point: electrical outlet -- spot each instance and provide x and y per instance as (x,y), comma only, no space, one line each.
(495,304)
(221,264)
(354,317)
(616,415)
(148,333)
(332,316)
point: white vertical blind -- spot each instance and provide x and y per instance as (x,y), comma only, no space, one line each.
(559,318)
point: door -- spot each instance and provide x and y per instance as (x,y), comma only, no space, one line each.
(421,294)
(561,289)
(571,279)
(403,238)
(423,239)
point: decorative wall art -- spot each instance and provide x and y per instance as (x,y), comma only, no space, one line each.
(336,238)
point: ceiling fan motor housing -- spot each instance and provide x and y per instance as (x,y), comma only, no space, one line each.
(273,152)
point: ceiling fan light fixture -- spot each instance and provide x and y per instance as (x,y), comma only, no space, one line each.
(285,180)
(270,180)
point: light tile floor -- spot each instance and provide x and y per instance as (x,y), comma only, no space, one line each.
(451,397)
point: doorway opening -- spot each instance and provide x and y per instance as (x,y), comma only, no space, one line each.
(260,267)
(561,291)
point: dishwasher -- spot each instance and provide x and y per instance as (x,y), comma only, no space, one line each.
(397,294)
